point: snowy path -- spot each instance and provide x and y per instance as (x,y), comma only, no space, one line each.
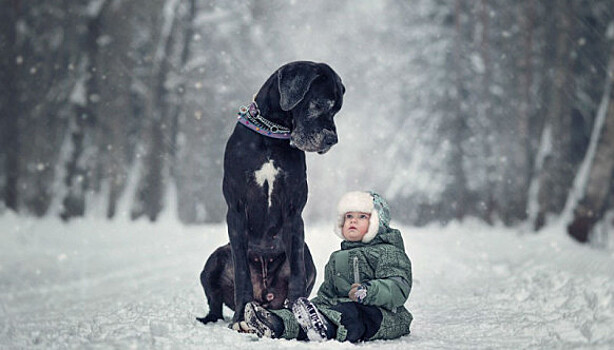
(94,284)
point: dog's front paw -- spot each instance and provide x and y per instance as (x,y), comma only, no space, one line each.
(240,327)
(209,318)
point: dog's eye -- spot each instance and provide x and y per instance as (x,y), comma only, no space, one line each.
(321,105)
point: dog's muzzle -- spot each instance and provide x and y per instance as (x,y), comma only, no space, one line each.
(329,142)
(319,142)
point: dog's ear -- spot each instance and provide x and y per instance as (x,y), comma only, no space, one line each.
(293,82)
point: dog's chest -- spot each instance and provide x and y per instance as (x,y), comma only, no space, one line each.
(266,176)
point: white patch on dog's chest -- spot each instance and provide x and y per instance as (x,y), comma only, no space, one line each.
(267,174)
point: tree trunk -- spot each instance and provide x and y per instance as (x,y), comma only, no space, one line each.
(9,107)
(557,173)
(458,129)
(176,101)
(115,61)
(80,165)
(516,209)
(600,182)
(485,104)
(149,199)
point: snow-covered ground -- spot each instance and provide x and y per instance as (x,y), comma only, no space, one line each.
(99,284)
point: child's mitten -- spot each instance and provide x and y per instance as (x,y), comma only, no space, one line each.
(358,292)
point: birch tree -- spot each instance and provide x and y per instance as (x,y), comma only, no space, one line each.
(594,185)
(557,172)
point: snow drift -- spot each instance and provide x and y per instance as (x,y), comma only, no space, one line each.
(101,284)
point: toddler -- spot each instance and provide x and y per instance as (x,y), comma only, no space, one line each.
(366,283)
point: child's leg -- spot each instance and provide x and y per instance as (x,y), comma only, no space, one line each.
(372,319)
(360,321)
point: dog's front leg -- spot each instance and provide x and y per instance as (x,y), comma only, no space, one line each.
(295,251)
(237,232)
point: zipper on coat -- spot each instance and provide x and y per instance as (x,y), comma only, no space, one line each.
(356,271)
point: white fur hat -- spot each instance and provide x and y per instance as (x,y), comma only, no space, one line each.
(361,202)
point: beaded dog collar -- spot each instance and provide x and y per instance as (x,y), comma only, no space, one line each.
(251,118)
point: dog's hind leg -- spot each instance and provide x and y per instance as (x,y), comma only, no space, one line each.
(211,280)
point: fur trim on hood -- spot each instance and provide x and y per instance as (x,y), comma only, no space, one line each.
(365,202)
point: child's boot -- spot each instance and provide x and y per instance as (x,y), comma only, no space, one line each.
(314,324)
(263,322)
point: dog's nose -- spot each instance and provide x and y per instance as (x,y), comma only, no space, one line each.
(331,139)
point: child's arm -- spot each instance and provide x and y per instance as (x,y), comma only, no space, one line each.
(391,287)
(388,293)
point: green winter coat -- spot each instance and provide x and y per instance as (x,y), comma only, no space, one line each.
(383,267)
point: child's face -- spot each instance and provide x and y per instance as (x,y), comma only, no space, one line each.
(355,225)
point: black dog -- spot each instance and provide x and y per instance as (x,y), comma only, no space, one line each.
(269,277)
(265,182)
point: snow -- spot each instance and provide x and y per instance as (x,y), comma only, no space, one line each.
(119,284)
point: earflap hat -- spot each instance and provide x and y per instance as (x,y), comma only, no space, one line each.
(364,202)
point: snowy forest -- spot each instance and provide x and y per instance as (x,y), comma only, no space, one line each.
(498,110)
(481,122)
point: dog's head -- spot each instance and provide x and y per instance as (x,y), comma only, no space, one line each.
(312,93)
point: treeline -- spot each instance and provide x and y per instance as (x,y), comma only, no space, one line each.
(109,100)
(536,80)
(494,109)
(516,95)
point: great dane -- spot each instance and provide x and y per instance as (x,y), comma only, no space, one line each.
(265,187)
